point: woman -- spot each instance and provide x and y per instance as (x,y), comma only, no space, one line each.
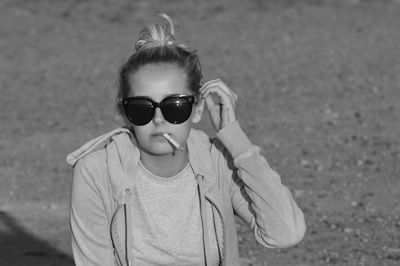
(157,191)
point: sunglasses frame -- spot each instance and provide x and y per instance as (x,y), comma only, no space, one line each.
(190,99)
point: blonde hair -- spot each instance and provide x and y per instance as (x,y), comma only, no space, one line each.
(158,35)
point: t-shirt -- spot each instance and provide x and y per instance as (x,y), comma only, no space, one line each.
(166,221)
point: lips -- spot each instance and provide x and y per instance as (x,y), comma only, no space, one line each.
(158,136)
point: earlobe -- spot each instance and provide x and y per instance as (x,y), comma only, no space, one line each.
(198,111)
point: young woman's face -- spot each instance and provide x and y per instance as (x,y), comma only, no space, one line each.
(158,82)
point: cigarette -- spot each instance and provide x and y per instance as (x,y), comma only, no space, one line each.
(172,141)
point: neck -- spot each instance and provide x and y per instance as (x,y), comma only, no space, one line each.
(165,165)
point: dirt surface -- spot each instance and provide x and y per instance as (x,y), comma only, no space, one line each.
(318,85)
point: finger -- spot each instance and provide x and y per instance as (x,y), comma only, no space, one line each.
(209,82)
(215,90)
(225,88)
(211,104)
(214,110)
(222,86)
(221,113)
(225,97)
(227,100)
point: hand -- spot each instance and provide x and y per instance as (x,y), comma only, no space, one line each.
(220,102)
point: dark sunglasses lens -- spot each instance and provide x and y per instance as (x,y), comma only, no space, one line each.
(176,110)
(139,111)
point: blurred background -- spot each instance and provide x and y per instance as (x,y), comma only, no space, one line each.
(318,85)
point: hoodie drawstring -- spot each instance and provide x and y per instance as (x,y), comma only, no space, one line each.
(203,214)
(128,226)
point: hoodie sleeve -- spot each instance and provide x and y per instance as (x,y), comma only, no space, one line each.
(257,194)
(91,241)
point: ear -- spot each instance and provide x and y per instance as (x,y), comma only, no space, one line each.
(197,111)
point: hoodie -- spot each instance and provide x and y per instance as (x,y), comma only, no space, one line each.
(231,175)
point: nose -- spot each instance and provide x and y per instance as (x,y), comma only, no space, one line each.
(158,117)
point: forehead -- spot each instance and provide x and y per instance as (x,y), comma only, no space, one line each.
(158,81)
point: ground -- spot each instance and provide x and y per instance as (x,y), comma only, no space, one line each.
(318,85)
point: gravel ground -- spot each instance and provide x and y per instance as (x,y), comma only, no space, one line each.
(318,85)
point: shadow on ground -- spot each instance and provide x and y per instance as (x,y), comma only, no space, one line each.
(18,247)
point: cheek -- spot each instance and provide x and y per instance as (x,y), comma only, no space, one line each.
(183,131)
(141,132)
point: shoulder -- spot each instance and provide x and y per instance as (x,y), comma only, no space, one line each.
(205,144)
(199,140)
(93,160)
(91,167)
(199,135)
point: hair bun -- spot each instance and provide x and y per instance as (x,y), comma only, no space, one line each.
(157,35)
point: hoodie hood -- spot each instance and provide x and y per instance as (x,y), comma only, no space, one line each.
(94,145)
(122,156)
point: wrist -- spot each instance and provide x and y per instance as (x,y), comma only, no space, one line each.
(234,139)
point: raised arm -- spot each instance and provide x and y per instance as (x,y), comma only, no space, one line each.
(258,196)
(257,193)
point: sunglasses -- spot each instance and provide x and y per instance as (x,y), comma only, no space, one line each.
(176,109)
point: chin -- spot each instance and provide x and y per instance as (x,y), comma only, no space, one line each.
(160,150)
